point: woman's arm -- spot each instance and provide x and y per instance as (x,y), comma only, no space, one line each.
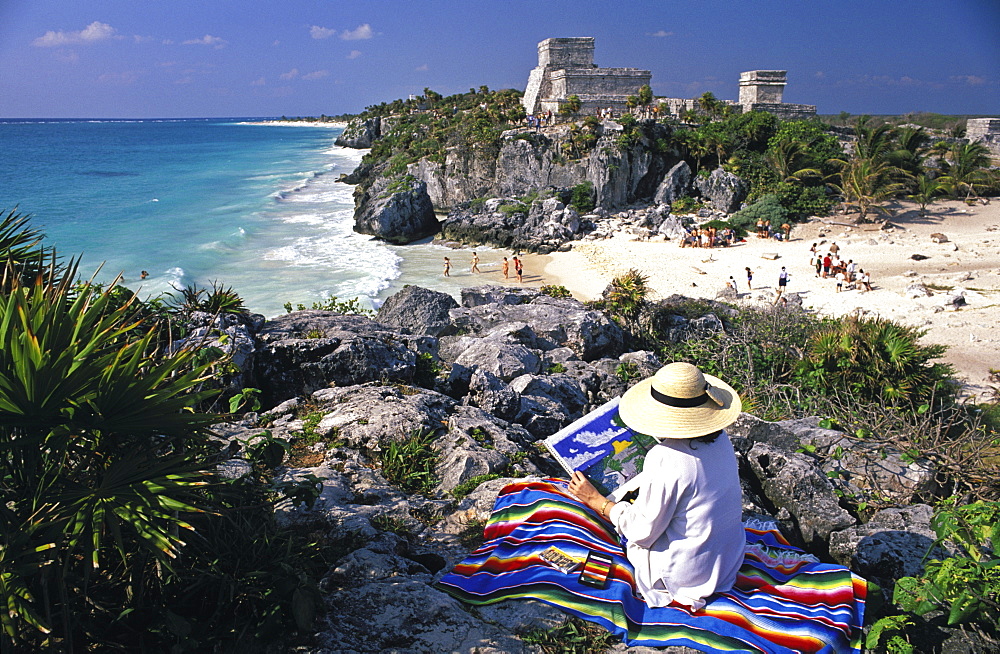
(586,493)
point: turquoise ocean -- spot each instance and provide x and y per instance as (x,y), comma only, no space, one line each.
(240,202)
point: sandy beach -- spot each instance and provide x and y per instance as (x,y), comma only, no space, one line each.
(969,262)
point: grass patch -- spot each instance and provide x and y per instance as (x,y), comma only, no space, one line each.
(410,463)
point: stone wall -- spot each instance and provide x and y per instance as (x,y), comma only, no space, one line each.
(573,52)
(985,131)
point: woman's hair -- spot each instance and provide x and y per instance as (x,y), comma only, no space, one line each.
(707,439)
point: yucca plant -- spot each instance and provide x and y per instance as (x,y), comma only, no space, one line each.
(99,458)
(875,360)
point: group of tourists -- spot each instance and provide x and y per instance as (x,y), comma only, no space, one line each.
(708,237)
(847,274)
(505,267)
(539,120)
(764,230)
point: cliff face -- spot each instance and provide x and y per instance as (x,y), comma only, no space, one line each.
(530,160)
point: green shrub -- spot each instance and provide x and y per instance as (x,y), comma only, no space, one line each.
(768,207)
(582,197)
(466,487)
(426,371)
(555,291)
(409,463)
(967,585)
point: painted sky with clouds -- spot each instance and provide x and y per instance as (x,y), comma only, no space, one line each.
(214,58)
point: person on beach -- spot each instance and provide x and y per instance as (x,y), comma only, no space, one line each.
(841,276)
(787,230)
(834,248)
(475,263)
(447,267)
(782,283)
(505,268)
(827,262)
(683,530)
(749,278)
(518,270)
(866,281)
(732,284)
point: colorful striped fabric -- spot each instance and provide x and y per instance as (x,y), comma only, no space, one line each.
(783,601)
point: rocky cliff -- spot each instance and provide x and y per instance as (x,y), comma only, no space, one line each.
(488,378)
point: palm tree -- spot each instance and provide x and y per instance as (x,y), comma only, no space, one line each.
(709,104)
(789,160)
(867,183)
(926,189)
(967,170)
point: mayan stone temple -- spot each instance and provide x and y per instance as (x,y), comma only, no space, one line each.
(566,67)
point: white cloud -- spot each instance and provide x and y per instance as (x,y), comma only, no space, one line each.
(971,80)
(819,74)
(661,34)
(292,74)
(214,41)
(318,32)
(422,67)
(361,33)
(93,33)
(258,82)
(316,74)
(354,54)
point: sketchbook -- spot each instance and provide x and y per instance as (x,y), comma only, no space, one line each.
(601,447)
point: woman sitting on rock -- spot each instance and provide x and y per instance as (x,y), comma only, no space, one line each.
(684,530)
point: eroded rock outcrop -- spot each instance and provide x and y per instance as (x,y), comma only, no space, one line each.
(398,211)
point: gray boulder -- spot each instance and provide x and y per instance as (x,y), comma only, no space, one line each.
(478,444)
(490,393)
(893,544)
(556,322)
(723,190)
(308,350)
(368,417)
(792,482)
(420,310)
(360,134)
(505,360)
(675,185)
(396,211)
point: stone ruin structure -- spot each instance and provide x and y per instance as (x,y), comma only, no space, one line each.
(985,131)
(762,90)
(566,67)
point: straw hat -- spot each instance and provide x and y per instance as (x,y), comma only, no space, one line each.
(679,401)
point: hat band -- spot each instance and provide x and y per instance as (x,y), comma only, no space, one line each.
(679,402)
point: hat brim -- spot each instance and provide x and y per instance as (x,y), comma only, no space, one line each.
(641,412)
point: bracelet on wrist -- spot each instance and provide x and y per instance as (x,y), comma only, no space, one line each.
(604,508)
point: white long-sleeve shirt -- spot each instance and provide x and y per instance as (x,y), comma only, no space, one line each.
(684,530)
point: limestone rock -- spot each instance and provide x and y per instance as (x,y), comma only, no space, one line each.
(308,350)
(791,481)
(675,185)
(420,310)
(396,211)
(724,190)
(891,545)
(360,134)
(490,393)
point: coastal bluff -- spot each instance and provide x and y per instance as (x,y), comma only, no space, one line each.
(486,379)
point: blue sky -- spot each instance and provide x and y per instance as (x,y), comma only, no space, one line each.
(194,58)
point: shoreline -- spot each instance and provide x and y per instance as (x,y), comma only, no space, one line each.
(968,261)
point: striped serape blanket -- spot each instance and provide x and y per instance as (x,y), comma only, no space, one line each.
(783,601)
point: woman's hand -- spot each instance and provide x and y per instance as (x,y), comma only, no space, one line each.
(583,489)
